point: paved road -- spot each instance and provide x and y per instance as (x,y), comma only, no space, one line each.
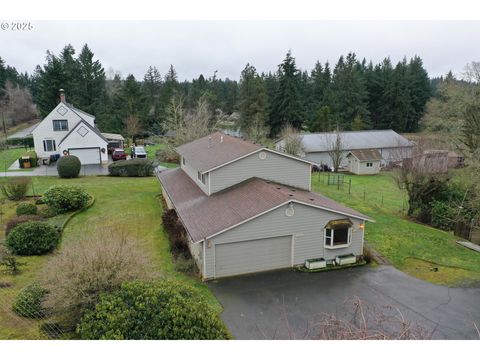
(257,306)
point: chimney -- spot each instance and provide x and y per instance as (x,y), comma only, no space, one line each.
(221,138)
(62,95)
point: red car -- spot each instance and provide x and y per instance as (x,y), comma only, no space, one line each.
(119,154)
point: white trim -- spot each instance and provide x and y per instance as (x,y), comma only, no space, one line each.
(310,180)
(363,235)
(254,152)
(292,252)
(204,259)
(209,183)
(278,206)
(214,260)
(333,247)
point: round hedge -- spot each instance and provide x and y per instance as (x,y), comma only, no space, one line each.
(164,309)
(20,220)
(32,238)
(64,198)
(28,302)
(26,209)
(69,166)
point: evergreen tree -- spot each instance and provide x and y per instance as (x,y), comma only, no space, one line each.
(253,100)
(420,91)
(287,105)
(90,86)
(349,93)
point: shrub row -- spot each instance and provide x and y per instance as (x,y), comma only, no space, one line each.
(176,232)
(20,220)
(131,168)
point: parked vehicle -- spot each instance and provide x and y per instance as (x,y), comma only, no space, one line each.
(119,154)
(139,152)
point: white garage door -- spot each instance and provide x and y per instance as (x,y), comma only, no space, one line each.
(87,156)
(252,256)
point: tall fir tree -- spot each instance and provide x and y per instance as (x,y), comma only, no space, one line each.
(348,92)
(253,100)
(287,105)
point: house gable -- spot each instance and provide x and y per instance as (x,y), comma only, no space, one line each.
(83,136)
(264,164)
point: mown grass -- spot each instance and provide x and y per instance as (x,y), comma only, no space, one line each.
(397,237)
(9,156)
(132,205)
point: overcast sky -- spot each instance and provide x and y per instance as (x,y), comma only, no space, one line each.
(201,47)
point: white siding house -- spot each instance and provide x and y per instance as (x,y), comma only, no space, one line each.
(67,130)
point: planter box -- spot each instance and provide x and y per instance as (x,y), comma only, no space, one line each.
(315,263)
(346,259)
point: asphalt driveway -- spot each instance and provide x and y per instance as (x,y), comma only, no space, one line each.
(286,304)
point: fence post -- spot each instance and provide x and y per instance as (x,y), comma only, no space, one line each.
(382,200)
(363,195)
(349,186)
(338,183)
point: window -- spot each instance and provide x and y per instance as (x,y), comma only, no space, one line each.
(338,233)
(201,177)
(60,125)
(49,145)
(369,164)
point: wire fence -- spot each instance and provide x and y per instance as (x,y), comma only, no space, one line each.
(369,194)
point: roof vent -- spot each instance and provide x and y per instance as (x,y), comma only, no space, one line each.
(278,188)
(290,194)
(312,199)
(210,141)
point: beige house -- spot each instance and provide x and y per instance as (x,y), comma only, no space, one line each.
(364,162)
(247,208)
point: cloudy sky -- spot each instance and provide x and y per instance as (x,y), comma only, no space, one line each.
(196,47)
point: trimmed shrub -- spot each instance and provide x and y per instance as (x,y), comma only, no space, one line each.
(28,302)
(164,309)
(176,232)
(69,166)
(26,209)
(32,238)
(131,168)
(64,198)
(20,220)
(15,189)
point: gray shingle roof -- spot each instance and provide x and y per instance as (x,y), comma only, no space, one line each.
(204,216)
(369,139)
(367,154)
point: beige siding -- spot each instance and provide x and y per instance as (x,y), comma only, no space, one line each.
(197,253)
(364,170)
(193,174)
(274,167)
(306,225)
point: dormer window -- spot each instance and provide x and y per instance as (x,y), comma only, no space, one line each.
(60,125)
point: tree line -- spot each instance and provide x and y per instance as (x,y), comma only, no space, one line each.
(352,95)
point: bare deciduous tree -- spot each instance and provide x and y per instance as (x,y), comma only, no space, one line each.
(292,141)
(189,125)
(19,103)
(335,147)
(132,126)
(363,321)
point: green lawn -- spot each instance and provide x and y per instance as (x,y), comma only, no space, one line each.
(414,248)
(132,204)
(7,157)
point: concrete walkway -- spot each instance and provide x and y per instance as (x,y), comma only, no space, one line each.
(51,170)
(287,304)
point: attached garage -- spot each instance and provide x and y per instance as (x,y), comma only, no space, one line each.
(253,256)
(87,155)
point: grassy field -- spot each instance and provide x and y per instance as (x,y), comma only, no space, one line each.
(7,157)
(419,250)
(132,204)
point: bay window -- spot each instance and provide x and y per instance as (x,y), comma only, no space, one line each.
(338,233)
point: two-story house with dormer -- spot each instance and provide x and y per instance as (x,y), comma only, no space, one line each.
(247,208)
(67,130)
